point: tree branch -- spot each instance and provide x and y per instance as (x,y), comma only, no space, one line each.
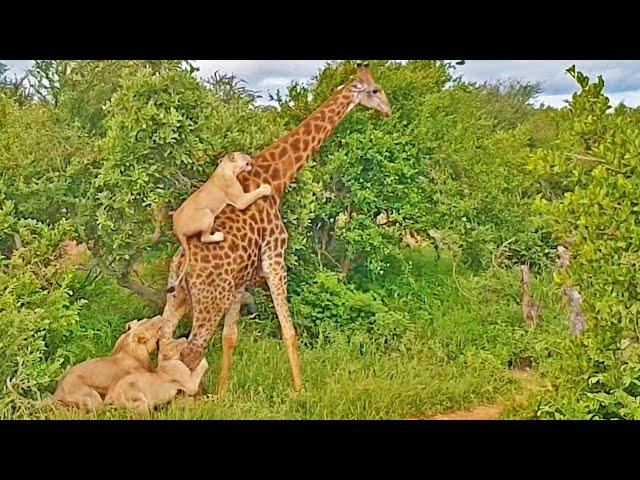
(604,163)
(147,293)
(126,281)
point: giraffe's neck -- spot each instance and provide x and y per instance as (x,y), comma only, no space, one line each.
(282,161)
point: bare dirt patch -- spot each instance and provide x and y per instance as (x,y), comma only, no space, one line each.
(529,383)
(488,412)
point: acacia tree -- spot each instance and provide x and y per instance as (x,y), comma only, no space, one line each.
(164,132)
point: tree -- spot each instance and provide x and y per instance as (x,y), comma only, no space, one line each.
(592,176)
(164,132)
(451,158)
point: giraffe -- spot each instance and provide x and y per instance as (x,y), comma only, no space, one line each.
(252,252)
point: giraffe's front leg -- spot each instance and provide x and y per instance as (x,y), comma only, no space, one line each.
(208,305)
(276,274)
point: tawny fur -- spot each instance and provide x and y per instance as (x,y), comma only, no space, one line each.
(85,384)
(197,214)
(143,391)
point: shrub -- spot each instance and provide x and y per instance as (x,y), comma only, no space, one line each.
(592,202)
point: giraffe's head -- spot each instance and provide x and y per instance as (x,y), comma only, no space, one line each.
(368,93)
(235,163)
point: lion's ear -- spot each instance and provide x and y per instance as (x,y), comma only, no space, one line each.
(130,325)
(142,337)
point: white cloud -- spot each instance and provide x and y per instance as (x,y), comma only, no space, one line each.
(274,82)
(17,67)
(552,100)
(622,77)
(251,69)
(263,75)
(631,98)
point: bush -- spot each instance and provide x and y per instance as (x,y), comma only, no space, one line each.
(46,167)
(326,304)
(451,158)
(36,308)
(592,205)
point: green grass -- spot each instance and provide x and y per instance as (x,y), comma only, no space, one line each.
(456,354)
(103,318)
(340,383)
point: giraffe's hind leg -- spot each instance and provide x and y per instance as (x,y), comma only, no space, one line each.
(209,302)
(229,339)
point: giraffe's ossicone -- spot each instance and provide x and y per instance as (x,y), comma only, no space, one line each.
(252,251)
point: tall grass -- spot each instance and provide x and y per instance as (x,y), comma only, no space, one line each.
(455,354)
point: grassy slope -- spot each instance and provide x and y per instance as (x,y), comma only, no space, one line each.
(456,356)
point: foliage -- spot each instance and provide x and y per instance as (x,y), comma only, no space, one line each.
(46,166)
(450,159)
(36,308)
(327,305)
(164,133)
(13,87)
(592,206)
(390,327)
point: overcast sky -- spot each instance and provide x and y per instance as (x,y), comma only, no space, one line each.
(622,77)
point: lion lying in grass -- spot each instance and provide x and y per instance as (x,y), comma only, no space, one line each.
(85,384)
(142,391)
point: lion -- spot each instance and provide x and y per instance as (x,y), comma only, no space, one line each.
(198,212)
(142,391)
(85,384)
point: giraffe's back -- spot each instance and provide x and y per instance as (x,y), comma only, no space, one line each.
(238,255)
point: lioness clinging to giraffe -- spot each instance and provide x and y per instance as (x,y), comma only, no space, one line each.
(255,238)
(198,212)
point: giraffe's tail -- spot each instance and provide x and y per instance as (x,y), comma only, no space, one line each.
(185,265)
